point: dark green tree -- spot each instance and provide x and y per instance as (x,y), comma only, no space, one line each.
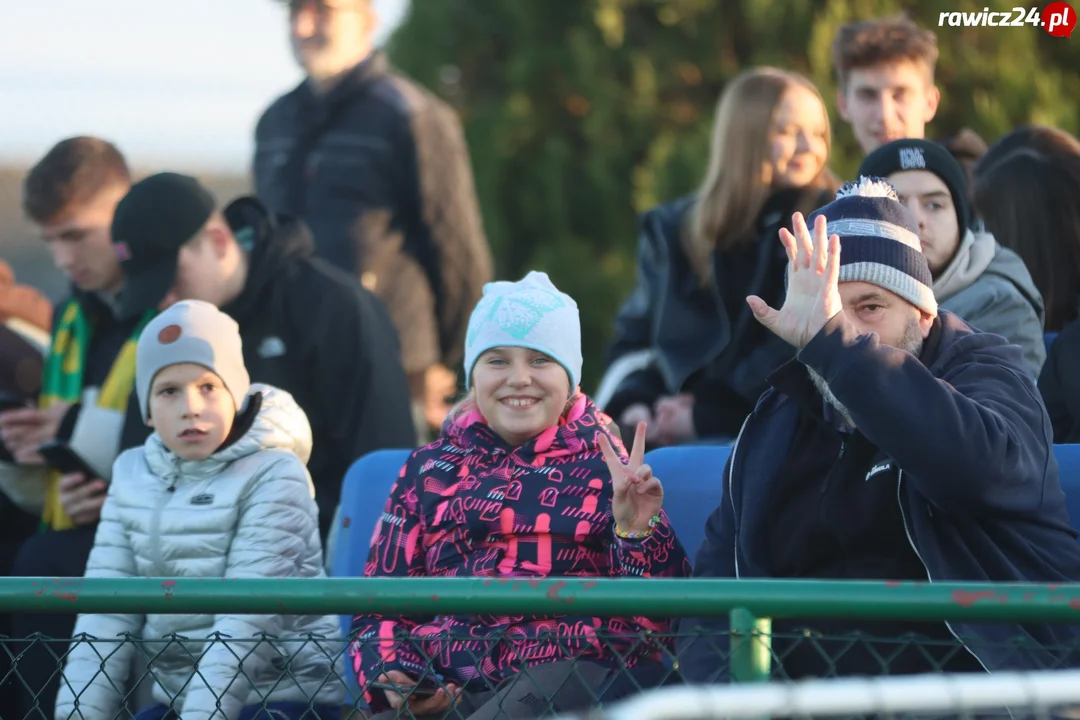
(580,114)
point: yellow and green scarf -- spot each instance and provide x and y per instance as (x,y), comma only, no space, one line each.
(63,383)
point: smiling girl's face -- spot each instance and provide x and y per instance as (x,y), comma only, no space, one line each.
(520,392)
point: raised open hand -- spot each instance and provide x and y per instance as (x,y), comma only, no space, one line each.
(636,495)
(813,297)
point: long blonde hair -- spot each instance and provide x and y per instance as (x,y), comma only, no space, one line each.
(735,189)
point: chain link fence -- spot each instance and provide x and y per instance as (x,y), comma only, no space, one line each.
(570,669)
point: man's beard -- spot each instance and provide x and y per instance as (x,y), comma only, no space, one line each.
(912,342)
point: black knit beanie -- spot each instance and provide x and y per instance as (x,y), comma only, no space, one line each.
(911,154)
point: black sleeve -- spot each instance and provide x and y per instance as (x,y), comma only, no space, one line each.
(633,323)
(360,388)
(644,386)
(633,330)
(702,644)
(718,410)
(976,439)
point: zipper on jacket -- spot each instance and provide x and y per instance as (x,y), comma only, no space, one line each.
(832,471)
(911,541)
(155,523)
(731,492)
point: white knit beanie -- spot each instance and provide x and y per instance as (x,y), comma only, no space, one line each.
(196,332)
(530,313)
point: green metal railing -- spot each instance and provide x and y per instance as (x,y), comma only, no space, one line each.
(750,605)
(976,602)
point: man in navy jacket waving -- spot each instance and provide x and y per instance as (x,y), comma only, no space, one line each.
(899,444)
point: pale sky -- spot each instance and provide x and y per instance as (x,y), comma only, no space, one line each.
(177,83)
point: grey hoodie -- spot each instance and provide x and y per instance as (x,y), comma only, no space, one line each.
(991,289)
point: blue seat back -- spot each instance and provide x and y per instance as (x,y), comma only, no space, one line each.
(364,493)
(692,476)
(693,485)
(1048,339)
(1068,458)
(363,496)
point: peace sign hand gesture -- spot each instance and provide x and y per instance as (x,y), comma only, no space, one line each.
(813,295)
(637,496)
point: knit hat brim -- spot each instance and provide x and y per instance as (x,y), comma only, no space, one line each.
(909,155)
(879,242)
(193,332)
(530,313)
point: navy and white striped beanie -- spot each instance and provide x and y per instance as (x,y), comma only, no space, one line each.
(879,240)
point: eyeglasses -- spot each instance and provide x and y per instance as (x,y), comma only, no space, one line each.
(323,7)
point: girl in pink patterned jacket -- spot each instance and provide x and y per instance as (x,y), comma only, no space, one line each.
(526,482)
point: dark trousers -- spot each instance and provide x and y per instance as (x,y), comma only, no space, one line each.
(547,690)
(15,528)
(39,664)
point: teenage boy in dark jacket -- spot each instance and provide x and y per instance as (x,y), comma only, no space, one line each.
(899,444)
(306,326)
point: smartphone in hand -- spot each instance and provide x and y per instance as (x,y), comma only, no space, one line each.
(10,401)
(427,686)
(60,457)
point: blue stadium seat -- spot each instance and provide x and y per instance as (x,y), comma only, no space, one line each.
(693,485)
(692,476)
(1068,457)
(363,495)
(1048,339)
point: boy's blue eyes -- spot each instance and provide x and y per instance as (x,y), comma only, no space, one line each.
(206,388)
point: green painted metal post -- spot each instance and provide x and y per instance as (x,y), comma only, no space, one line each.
(751,659)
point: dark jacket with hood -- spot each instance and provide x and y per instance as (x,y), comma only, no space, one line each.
(950,476)
(379,170)
(674,334)
(315,332)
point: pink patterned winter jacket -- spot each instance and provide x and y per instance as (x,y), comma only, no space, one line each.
(469,505)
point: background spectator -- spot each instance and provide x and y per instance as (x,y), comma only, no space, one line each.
(25,315)
(688,358)
(1026,169)
(966,147)
(885,72)
(987,285)
(1027,187)
(308,328)
(86,396)
(379,169)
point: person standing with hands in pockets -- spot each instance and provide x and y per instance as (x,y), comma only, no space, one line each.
(898,444)
(527,481)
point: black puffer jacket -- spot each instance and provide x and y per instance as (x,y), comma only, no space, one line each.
(313,331)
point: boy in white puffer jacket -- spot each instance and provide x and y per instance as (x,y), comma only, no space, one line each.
(218,490)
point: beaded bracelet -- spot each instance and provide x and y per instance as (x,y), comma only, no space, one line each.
(638,535)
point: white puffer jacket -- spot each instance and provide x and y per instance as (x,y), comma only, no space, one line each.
(247,511)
